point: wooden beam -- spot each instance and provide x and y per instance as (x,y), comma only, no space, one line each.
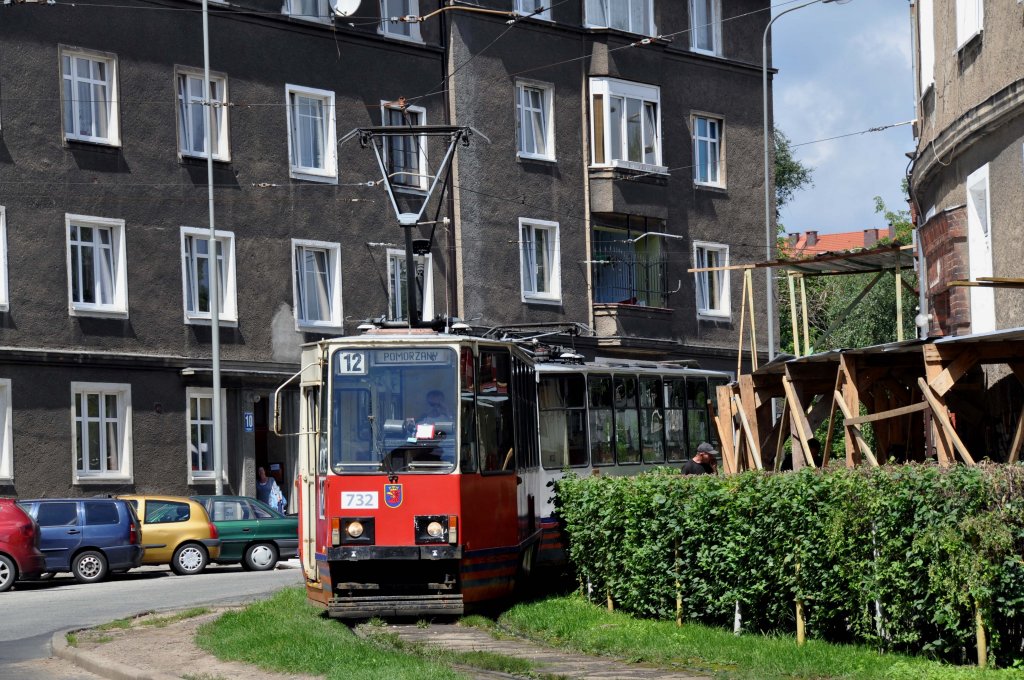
(792,314)
(1018,439)
(899,303)
(826,455)
(850,405)
(777,462)
(803,312)
(799,417)
(956,369)
(854,431)
(751,442)
(753,327)
(940,414)
(724,415)
(932,368)
(894,413)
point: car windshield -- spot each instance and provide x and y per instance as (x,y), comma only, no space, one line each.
(393,410)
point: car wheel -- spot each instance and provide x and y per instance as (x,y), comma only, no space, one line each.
(8,573)
(190,558)
(260,557)
(89,566)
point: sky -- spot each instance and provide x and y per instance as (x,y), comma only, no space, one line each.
(845,68)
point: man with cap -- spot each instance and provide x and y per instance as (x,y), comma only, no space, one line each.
(703,462)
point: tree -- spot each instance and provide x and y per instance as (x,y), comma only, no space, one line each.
(791,175)
(873,320)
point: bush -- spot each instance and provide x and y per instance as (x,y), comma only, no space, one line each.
(898,557)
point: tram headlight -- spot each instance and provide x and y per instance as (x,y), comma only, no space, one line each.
(431,529)
(352,530)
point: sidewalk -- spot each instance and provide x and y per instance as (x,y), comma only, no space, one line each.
(168,652)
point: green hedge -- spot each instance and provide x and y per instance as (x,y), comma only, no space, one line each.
(919,545)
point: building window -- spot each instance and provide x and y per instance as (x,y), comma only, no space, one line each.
(316,281)
(312,140)
(6,444)
(195,266)
(398,309)
(540,261)
(537,9)
(926,44)
(712,286)
(626,125)
(97,271)
(533,121)
(970,20)
(628,269)
(193,115)
(199,406)
(102,440)
(705,26)
(394,9)
(708,151)
(979,250)
(312,10)
(89,96)
(4,294)
(633,16)
(406,155)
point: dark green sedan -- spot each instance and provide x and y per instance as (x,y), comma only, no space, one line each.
(251,532)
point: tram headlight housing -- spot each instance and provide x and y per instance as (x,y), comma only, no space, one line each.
(352,531)
(436,529)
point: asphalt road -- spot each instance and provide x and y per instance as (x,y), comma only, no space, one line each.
(32,612)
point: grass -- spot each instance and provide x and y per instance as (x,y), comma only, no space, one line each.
(573,623)
(163,621)
(115,624)
(288,634)
(72,639)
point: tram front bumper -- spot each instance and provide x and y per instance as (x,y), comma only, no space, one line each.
(395,606)
(359,553)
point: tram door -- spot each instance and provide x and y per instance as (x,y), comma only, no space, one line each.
(490,514)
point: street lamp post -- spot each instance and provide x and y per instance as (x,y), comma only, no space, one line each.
(768,236)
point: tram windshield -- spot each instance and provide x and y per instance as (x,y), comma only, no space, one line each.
(394,410)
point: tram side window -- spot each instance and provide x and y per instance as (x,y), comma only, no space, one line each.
(467,390)
(675,420)
(494,412)
(697,411)
(602,430)
(627,420)
(563,421)
(652,420)
(316,427)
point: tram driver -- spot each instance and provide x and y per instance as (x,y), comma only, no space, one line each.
(437,410)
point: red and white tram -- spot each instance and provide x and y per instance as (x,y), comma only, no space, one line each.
(425,460)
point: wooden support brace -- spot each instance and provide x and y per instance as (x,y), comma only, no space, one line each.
(940,414)
(855,430)
(945,380)
(827,452)
(1018,439)
(799,415)
(750,440)
(893,413)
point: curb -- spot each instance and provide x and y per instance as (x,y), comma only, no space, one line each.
(101,666)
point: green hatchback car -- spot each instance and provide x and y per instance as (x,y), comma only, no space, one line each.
(251,532)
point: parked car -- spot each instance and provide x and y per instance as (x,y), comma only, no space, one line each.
(251,532)
(87,536)
(176,531)
(19,545)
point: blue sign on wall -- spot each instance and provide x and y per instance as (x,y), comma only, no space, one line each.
(248,422)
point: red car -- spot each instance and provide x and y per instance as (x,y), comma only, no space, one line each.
(19,545)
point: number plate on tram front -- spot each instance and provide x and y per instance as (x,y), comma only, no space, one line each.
(350,363)
(358,500)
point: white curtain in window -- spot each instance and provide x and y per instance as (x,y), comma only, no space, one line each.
(314,275)
(703,16)
(308,132)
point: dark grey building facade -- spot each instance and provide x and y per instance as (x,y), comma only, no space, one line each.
(612,165)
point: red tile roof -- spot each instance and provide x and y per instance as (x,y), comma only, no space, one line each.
(811,243)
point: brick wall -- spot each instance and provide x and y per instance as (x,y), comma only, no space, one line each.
(944,239)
